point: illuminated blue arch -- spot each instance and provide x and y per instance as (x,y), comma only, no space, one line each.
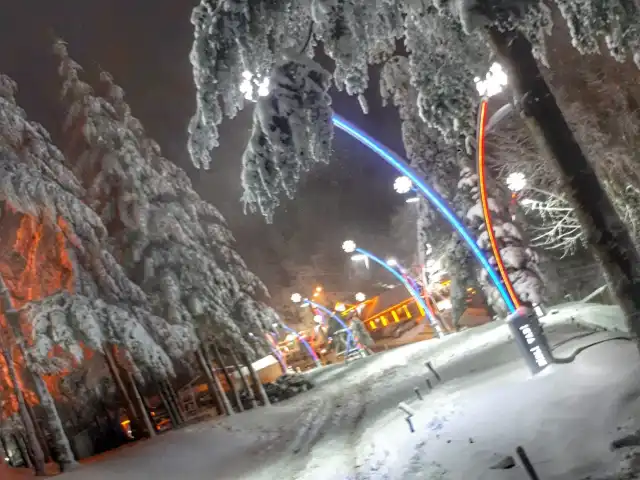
(412,291)
(350,338)
(401,166)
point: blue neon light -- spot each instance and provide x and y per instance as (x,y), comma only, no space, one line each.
(400,165)
(350,339)
(407,285)
(303,341)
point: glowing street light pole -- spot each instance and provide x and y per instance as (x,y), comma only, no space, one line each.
(401,166)
(350,246)
(297,298)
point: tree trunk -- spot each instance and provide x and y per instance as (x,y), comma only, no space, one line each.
(121,387)
(167,405)
(46,451)
(24,450)
(173,396)
(233,391)
(245,383)
(214,383)
(256,381)
(144,413)
(12,317)
(606,234)
(64,456)
(172,403)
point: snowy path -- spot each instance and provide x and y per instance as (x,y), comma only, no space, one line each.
(349,428)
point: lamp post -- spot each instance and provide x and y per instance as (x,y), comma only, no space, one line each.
(297,298)
(349,246)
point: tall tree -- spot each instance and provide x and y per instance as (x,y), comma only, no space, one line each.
(292,126)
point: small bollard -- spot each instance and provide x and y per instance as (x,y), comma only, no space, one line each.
(429,387)
(410,423)
(433,370)
(418,394)
(526,463)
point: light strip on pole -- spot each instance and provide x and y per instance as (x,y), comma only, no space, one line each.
(427,311)
(301,339)
(484,199)
(350,338)
(400,165)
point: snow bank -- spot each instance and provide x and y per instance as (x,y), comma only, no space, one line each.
(590,315)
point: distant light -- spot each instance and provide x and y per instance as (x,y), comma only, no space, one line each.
(402,184)
(349,246)
(392,262)
(412,200)
(316,294)
(428,249)
(493,83)
(340,307)
(296,298)
(318,318)
(516,181)
(360,297)
(318,289)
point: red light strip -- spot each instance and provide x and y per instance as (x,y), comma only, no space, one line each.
(485,204)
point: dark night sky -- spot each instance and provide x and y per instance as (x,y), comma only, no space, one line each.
(145,45)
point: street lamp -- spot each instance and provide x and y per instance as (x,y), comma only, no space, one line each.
(516,181)
(352,247)
(350,337)
(429,194)
(403,184)
(360,297)
(252,86)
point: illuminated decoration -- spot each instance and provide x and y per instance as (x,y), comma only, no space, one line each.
(350,337)
(400,165)
(384,320)
(485,205)
(528,335)
(372,324)
(318,318)
(395,316)
(340,307)
(432,320)
(403,184)
(516,182)
(296,298)
(276,352)
(253,86)
(360,297)
(318,289)
(392,262)
(301,339)
(493,83)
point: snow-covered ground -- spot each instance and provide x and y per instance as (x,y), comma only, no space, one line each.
(349,426)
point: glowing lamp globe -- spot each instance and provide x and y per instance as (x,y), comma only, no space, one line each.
(402,184)
(516,181)
(349,246)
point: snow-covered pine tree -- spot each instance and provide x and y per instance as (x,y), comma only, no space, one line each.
(204,225)
(234,36)
(520,262)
